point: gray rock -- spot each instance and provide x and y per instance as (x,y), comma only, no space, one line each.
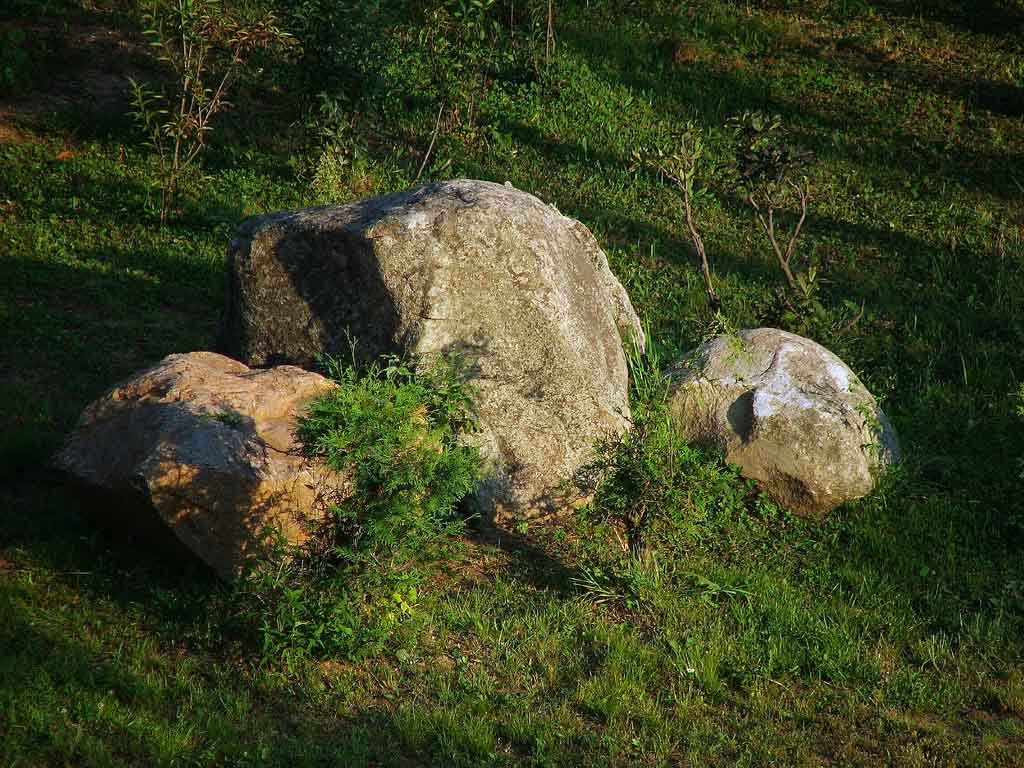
(789,413)
(204,445)
(480,269)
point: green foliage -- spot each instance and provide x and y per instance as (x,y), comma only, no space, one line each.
(648,480)
(205,47)
(767,163)
(393,429)
(14,60)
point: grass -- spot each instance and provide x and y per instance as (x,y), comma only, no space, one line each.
(891,634)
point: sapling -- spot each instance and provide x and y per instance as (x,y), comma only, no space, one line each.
(772,173)
(205,47)
(681,165)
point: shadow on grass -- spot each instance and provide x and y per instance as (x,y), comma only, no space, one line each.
(714,93)
(67,699)
(117,650)
(999,18)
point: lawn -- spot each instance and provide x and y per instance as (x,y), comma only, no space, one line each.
(890,634)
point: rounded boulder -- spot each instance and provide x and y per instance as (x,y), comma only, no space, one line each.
(521,293)
(789,413)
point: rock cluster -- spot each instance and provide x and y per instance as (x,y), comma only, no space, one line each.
(491,273)
(481,270)
(204,443)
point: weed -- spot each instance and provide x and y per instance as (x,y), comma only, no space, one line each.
(196,38)
(396,430)
(635,475)
(682,165)
(393,429)
(648,479)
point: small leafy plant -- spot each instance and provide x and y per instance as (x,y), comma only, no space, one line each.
(206,47)
(654,493)
(772,173)
(682,165)
(640,474)
(394,430)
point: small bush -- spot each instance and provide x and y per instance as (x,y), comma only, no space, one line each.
(654,492)
(205,47)
(649,476)
(681,164)
(394,430)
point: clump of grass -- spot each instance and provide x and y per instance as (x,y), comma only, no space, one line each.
(651,491)
(394,430)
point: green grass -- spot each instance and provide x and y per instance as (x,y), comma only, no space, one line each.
(891,634)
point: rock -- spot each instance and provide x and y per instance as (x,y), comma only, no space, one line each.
(205,444)
(469,267)
(789,413)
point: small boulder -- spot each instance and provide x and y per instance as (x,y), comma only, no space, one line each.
(484,270)
(789,413)
(205,445)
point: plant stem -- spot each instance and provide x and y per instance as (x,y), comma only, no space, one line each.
(433,138)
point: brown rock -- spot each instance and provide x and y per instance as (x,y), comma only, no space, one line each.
(481,269)
(205,444)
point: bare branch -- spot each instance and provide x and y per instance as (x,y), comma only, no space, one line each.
(698,243)
(804,194)
(856,319)
(433,138)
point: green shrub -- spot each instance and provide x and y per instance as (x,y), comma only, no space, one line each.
(649,477)
(652,492)
(394,430)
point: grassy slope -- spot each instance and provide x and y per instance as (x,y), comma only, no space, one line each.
(892,634)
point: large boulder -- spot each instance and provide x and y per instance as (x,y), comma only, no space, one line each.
(789,413)
(204,445)
(522,292)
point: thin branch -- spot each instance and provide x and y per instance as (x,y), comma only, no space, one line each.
(856,319)
(549,42)
(698,243)
(769,228)
(804,195)
(433,138)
